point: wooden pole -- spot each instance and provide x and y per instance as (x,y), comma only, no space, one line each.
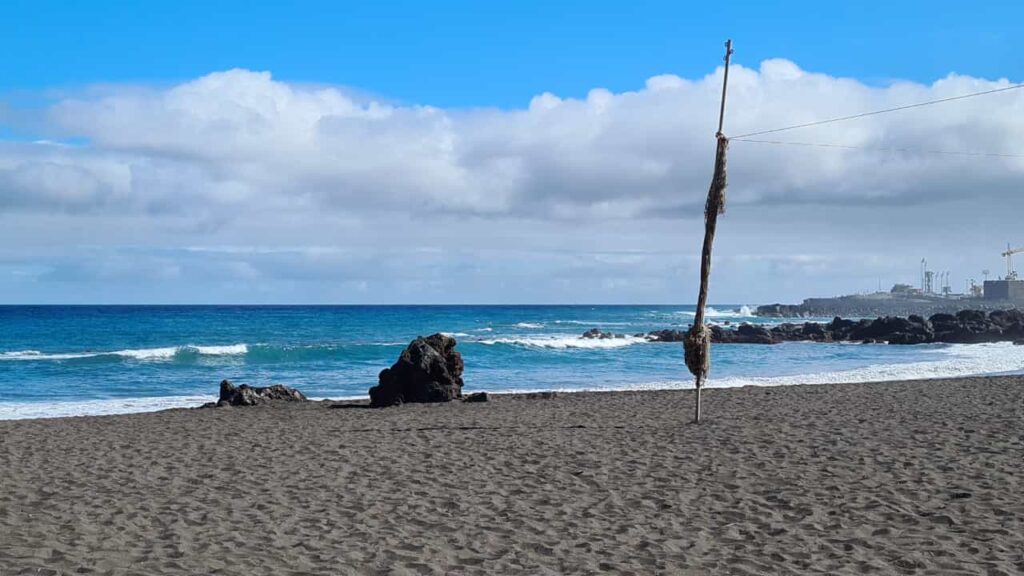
(699,336)
(696,409)
(725,84)
(706,262)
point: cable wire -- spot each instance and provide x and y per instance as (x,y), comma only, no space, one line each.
(876,112)
(907,150)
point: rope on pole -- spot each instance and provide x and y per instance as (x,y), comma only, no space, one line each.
(697,343)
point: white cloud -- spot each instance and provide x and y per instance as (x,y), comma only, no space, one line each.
(236,159)
(239,137)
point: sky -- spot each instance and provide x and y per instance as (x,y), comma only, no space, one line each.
(500,152)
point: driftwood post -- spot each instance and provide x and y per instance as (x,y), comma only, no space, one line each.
(697,345)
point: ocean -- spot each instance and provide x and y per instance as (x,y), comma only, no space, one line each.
(83,360)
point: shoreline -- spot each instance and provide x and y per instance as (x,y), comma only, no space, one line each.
(883,373)
(892,477)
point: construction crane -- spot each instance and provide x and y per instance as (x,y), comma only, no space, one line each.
(1011,274)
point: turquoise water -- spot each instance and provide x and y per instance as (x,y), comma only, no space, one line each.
(66,360)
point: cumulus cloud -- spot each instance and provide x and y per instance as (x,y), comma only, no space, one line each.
(239,137)
(236,158)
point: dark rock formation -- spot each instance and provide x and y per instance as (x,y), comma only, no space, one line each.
(245,395)
(754,334)
(597,334)
(782,311)
(743,334)
(476,397)
(429,370)
(895,330)
(665,336)
(966,326)
(546,395)
(969,326)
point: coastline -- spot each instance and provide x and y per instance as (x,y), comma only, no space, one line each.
(940,361)
(893,477)
(104,360)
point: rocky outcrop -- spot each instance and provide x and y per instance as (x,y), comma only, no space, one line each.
(544,395)
(966,326)
(664,336)
(245,395)
(476,397)
(597,334)
(781,311)
(970,326)
(892,329)
(743,334)
(428,370)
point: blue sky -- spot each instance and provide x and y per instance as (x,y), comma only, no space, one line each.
(501,53)
(496,152)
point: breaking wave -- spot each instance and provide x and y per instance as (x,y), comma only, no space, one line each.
(564,342)
(710,312)
(257,353)
(166,353)
(593,323)
(60,409)
(956,361)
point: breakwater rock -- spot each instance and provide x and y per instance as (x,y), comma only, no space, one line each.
(970,326)
(598,334)
(966,326)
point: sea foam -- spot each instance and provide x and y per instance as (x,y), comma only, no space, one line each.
(164,353)
(710,312)
(564,342)
(955,361)
(23,410)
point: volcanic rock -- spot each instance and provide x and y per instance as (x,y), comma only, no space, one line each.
(428,370)
(598,334)
(753,334)
(245,395)
(665,336)
(475,397)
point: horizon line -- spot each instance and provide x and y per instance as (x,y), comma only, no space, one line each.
(8,305)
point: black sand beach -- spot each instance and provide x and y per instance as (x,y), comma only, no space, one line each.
(919,477)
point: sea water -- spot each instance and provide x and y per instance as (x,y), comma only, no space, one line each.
(78,360)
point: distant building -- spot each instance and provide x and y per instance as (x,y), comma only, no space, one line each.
(904,289)
(1004,290)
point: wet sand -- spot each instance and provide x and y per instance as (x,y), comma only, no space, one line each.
(921,477)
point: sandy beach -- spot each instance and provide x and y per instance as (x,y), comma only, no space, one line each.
(920,477)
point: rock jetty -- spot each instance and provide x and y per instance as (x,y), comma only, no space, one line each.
(966,326)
